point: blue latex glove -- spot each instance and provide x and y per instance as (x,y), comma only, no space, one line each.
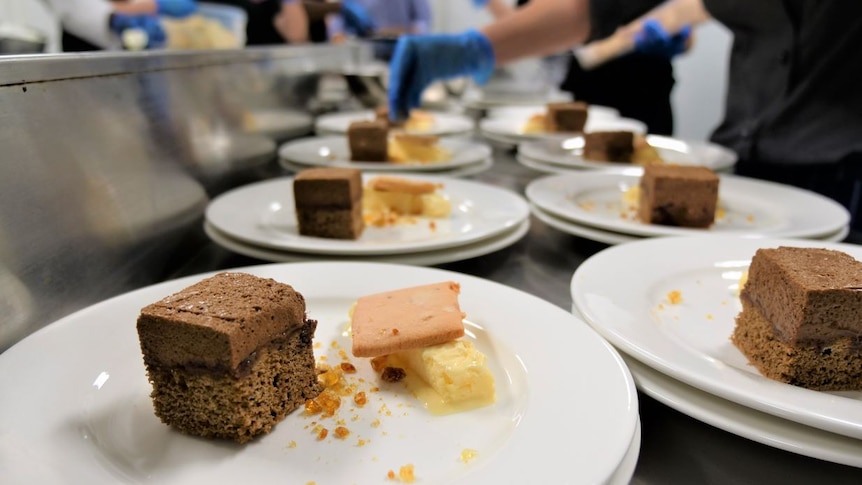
(420,60)
(356,18)
(480,3)
(148,23)
(176,8)
(653,39)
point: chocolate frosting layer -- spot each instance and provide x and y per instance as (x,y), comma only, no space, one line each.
(218,322)
(810,295)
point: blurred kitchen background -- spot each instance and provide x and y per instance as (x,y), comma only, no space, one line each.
(697,98)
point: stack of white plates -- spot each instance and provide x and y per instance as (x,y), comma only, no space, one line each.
(259,220)
(566,156)
(591,204)
(681,354)
(509,130)
(468,157)
(90,419)
(511,94)
(443,124)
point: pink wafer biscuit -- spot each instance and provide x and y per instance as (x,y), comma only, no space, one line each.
(409,318)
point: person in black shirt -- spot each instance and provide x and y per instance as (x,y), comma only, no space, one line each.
(793,112)
(638,84)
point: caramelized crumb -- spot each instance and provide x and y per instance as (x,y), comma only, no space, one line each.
(341,432)
(348,368)
(674,297)
(360,399)
(432,225)
(378,363)
(390,475)
(406,474)
(393,374)
(322,434)
(311,407)
(394,331)
(467,455)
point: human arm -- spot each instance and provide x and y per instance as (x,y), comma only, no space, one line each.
(169,8)
(319,9)
(663,30)
(292,22)
(497,8)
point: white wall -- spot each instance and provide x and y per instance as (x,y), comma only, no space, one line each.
(701,74)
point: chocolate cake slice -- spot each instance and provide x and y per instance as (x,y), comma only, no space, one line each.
(676,195)
(609,146)
(801,319)
(229,357)
(566,117)
(328,202)
(368,140)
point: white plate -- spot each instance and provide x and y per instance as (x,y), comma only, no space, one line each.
(586,232)
(610,237)
(476,99)
(552,168)
(746,422)
(525,112)
(513,128)
(672,150)
(422,258)
(622,292)
(752,208)
(279,124)
(262,214)
(626,470)
(76,406)
(444,123)
(465,171)
(333,151)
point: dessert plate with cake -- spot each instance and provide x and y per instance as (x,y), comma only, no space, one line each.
(419,122)
(624,151)
(514,130)
(670,200)
(770,324)
(611,237)
(112,409)
(400,215)
(527,112)
(421,258)
(396,153)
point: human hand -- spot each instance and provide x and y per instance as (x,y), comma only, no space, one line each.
(653,39)
(176,8)
(356,18)
(480,3)
(148,24)
(420,60)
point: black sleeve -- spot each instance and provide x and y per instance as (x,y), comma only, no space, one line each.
(608,15)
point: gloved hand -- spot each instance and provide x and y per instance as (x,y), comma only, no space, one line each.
(653,39)
(480,3)
(420,60)
(356,18)
(147,23)
(176,8)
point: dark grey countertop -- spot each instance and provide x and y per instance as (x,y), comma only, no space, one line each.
(675,448)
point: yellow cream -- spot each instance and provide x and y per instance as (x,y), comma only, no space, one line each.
(449,377)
